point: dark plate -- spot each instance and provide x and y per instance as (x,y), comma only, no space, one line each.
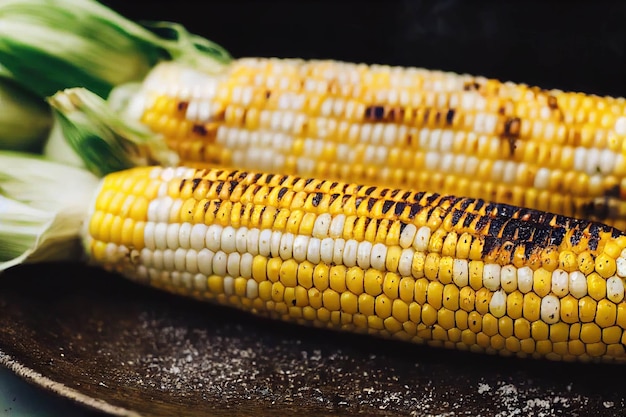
(125,349)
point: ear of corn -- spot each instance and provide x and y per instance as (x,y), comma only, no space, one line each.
(421,267)
(399,127)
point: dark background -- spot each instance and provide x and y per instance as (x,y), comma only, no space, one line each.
(571,45)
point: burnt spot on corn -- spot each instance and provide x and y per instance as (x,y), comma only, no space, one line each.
(450,116)
(182,184)
(370,203)
(375,113)
(182,105)
(471,86)
(282,192)
(316,198)
(199,129)
(387,204)
(194,183)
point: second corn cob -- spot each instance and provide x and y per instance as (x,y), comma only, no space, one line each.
(426,268)
(400,127)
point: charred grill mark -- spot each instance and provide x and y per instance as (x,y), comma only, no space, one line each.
(457,215)
(194,183)
(450,116)
(282,192)
(315,200)
(471,86)
(406,195)
(387,204)
(182,184)
(415,208)
(231,186)
(512,128)
(370,203)
(399,208)
(182,106)
(199,129)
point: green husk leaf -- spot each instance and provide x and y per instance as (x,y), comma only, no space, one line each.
(43,206)
(50,45)
(105,140)
(25,119)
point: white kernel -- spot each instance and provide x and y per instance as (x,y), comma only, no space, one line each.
(300,246)
(252,289)
(364,252)
(229,285)
(560,283)
(160,235)
(336,226)
(621,265)
(338,246)
(378,257)
(275,239)
(313,253)
(422,237)
(213,238)
(205,261)
(265,238)
(327,248)
(148,236)
(620,125)
(232,266)
(615,289)
(350,252)
(252,241)
(245,265)
(542,178)
(200,282)
(157,259)
(141,274)
(508,278)
(180,259)
(286,246)
(175,279)
(491,276)
(168,260)
(228,243)
(525,279)
(241,236)
(191,261)
(406,262)
(187,280)
(407,236)
(550,309)
(196,238)
(184,235)
(171,236)
(497,304)
(460,272)
(321,225)
(220,261)
(577,284)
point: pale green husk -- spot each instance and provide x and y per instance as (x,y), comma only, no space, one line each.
(43,206)
(49,45)
(25,119)
(105,140)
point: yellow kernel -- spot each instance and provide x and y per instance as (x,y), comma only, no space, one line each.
(418,264)
(606,313)
(590,333)
(612,334)
(288,273)
(321,276)
(476,274)
(474,321)
(586,263)
(406,289)
(467,299)
(451,297)
(391,283)
(521,328)
(605,265)
(576,347)
(621,315)
(445,318)
(596,349)
(587,309)
(596,286)
(323,315)
(514,304)
(527,346)
(559,332)
(315,298)
(354,280)
(273,269)
(568,261)
(512,344)
(434,295)
(305,274)
(468,337)
(392,325)
(483,298)
(490,325)
(415,312)
(429,315)
(539,330)
(338,278)
(445,269)
(532,307)
(278,292)
(265,290)
(383,306)
(505,326)
(215,284)
(431,266)
(550,258)
(569,309)
(543,347)
(373,282)
(542,282)
(615,350)
(400,310)
(301,296)
(461,318)
(612,250)
(421,288)
(349,302)
(366,304)
(393,258)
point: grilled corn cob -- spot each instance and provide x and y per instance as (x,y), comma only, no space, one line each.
(422,267)
(399,127)
(427,268)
